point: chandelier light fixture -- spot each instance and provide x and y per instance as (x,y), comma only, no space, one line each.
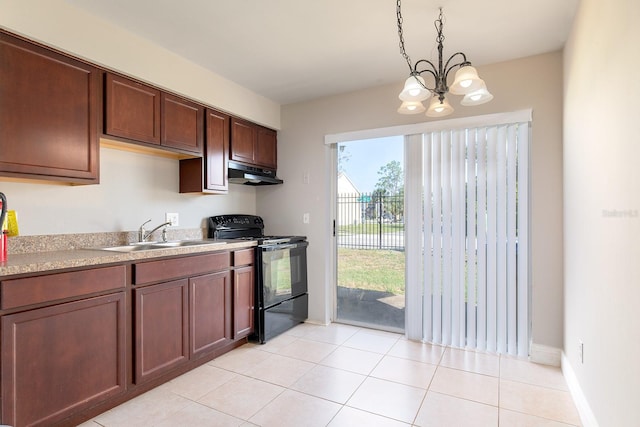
(466,81)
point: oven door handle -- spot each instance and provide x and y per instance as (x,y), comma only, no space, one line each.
(279,247)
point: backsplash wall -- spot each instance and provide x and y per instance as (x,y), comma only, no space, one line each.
(133,188)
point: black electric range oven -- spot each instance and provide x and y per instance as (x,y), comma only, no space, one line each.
(281,273)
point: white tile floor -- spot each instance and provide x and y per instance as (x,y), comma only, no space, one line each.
(341,375)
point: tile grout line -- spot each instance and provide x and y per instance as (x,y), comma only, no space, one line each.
(386,354)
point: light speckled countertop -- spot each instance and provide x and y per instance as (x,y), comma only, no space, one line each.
(58,259)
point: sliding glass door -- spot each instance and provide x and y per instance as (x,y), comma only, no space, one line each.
(370,234)
(450,244)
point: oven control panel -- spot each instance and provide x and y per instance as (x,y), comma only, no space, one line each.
(237,220)
(234,226)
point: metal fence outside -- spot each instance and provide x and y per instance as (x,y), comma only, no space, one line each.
(370,221)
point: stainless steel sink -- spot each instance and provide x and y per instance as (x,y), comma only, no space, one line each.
(135,247)
(130,248)
(179,243)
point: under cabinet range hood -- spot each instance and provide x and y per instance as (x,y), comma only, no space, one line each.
(251,175)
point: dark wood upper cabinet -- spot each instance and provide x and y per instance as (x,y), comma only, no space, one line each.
(132,110)
(49,114)
(253,144)
(217,151)
(209,174)
(244,135)
(182,124)
(267,147)
(142,113)
(54,108)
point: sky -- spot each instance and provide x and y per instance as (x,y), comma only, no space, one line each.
(368,156)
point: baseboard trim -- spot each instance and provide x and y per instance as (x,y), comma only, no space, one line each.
(309,321)
(545,355)
(584,410)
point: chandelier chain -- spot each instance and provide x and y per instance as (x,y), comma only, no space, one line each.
(439,24)
(403,52)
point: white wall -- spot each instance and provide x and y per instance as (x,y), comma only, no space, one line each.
(602,207)
(534,82)
(133,187)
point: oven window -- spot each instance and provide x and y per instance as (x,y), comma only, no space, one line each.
(278,272)
(284,274)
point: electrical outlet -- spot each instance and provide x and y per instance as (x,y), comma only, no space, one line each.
(580,351)
(305,218)
(173,218)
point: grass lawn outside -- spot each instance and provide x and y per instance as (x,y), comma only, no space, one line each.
(371,269)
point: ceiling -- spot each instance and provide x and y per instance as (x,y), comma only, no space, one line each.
(295,50)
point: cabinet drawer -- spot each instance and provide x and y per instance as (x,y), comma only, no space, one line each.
(34,290)
(174,268)
(243,257)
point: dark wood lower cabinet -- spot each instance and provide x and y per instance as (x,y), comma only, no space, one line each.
(211,312)
(243,301)
(162,330)
(62,359)
(89,339)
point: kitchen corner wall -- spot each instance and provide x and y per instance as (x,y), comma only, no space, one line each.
(133,187)
(534,82)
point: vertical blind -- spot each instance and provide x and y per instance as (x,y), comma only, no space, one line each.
(475,238)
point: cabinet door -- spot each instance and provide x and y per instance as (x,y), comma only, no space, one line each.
(182,124)
(49,114)
(266,148)
(243,297)
(132,110)
(161,328)
(217,151)
(209,174)
(62,359)
(210,312)
(243,141)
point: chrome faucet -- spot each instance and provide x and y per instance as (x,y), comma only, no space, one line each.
(143,235)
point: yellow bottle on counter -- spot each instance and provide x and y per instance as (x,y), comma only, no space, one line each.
(11,224)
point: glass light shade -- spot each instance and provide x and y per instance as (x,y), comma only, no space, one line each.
(466,81)
(411,107)
(413,90)
(477,97)
(439,109)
